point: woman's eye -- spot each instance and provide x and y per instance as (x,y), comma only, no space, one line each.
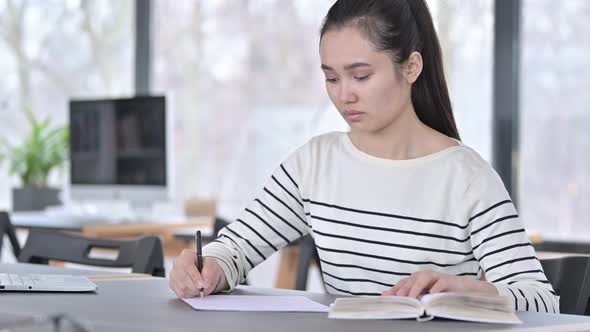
(331,80)
(361,78)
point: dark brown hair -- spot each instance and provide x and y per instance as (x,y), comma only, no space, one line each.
(401,27)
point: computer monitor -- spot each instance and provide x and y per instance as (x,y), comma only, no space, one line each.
(118,150)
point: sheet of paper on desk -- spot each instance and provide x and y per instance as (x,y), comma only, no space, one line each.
(255,303)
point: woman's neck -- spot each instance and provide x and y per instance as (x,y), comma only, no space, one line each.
(406,138)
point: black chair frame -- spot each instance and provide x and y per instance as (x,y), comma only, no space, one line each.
(142,255)
(6,228)
(570,278)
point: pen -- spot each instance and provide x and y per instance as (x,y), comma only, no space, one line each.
(199,257)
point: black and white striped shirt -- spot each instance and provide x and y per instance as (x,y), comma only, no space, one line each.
(376,221)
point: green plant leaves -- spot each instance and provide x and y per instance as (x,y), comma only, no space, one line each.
(43,149)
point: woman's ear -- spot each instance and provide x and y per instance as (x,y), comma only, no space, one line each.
(413,67)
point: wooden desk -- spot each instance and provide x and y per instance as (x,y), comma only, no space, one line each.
(148,304)
(166,231)
(287,274)
(164,227)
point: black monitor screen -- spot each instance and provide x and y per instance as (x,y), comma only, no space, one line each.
(118,141)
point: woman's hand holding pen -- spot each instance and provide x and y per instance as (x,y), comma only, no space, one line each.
(185,279)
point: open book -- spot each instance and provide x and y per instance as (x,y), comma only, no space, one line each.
(461,306)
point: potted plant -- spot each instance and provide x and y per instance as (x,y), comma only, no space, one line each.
(44,149)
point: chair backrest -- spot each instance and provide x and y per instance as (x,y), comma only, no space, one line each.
(6,228)
(570,278)
(142,255)
(308,253)
(219,224)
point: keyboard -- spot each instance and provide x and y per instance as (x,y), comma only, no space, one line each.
(20,279)
(45,282)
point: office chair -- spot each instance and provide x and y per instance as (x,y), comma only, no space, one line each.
(7,228)
(570,278)
(143,255)
(219,224)
(307,254)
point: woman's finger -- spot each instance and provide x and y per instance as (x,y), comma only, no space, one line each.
(422,284)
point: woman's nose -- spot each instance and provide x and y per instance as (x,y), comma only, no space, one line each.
(347,95)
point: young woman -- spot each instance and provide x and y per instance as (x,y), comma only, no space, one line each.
(397,206)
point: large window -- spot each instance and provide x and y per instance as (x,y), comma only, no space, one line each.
(52,50)
(247,89)
(244,78)
(555,118)
(465,29)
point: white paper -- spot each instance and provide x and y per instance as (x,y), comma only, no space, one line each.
(255,303)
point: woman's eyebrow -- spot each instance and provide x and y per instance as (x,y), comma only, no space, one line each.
(348,67)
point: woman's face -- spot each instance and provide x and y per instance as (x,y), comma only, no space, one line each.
(361,81)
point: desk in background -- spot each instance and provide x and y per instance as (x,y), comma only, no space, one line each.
(177,233)
(167,227)
(147,304)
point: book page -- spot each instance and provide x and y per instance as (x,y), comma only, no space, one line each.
(471,307)
(475,315)
(381,307)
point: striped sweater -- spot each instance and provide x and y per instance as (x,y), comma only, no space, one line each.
(375,221)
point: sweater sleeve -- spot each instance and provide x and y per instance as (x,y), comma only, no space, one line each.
(272,220)
(502,248)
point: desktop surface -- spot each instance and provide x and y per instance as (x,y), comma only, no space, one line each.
(149,304)
(77,223)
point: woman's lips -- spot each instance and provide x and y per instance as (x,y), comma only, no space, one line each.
(353,116)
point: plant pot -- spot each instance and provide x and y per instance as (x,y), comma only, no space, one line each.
(34,198)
